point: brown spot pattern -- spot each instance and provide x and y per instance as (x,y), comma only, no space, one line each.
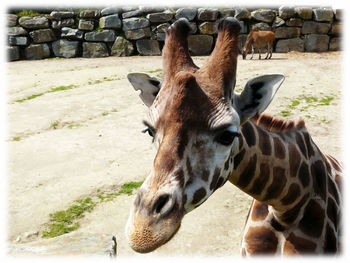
(260,211)
(332,212)
(248,173)
(276,225)
(312,222)
(219,183)
(289,216)
(249,134)
(333,190)
(292,195)
(318,172)
(280,151)
(260,240)
(215,178)
(300,141)
(304,174)
(330,242)
(277,185)
(261,181)
(309,143)
(294,159)
(199,195)
(180,177)
(188,166)
(238,158)
(264,142)
(297,245)
(205,175)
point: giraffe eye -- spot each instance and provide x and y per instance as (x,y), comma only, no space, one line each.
(226,137)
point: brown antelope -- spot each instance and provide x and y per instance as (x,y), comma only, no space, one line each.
(259,38)
(207,134)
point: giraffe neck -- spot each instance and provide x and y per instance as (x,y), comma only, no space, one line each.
(274,167)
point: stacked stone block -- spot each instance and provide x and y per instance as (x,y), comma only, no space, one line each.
(126,31)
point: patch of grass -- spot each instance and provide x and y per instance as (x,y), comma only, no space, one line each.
(325,101)
(154,71)
(28,13)
(61,88)
(105,113)
(16,139)
(65,221)
(285,113)
(30,97)
(54,124)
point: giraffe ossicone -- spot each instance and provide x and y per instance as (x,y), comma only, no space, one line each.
(207,134)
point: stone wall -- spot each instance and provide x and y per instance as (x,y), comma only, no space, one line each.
(126,31)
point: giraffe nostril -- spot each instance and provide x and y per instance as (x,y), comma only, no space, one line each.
(163,205)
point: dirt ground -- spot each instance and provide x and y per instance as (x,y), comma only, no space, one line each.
(69,144)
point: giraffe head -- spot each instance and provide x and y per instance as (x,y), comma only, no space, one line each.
(194,120)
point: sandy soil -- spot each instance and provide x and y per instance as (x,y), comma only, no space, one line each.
(66,145)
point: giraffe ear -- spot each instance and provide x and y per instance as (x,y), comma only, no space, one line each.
(257,95)
(148,85)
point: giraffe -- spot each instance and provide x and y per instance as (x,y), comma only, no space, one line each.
(207,134)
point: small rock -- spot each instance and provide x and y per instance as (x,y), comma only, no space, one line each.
(242,13)
(335,44)
(17,41)
(208,28)
(207,14)
(264,15)
(102,36)
(94,50)
(293,44)
(71,33)
(338,13)
(135,23)
(12,20)
(65,48)
(323,14)
(13,54)
(261,26)
(160,36)
(61,14)
(42,35)
(16,31)
(316,43)
(193,26)
(62,23)
(18,239)
(287,32)
(132,13)
(304,12)
(226,12)
(188,13)
(337,29)
(90,14)
(294,22)
(278,22)
(162,27)
(138,33)
(148,47)
(111,11)
(200,45)
(160,17)
(122,47)
(111,21)
(286,12)
(86,25)
(35,22)
(312,27)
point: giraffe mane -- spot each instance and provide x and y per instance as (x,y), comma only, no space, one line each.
(276,124)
